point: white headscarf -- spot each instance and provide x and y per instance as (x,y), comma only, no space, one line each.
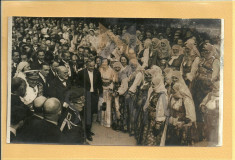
(20,68)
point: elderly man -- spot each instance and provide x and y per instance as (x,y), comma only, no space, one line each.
(50,132)
(30,131)
(60,85)
(66,62)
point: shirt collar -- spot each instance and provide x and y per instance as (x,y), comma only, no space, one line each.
(62,80)
(65,61)
(39,62)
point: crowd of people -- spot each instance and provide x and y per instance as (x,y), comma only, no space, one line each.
(159,84)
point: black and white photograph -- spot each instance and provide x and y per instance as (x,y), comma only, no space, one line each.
(115,81)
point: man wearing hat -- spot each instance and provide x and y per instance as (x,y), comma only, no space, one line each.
(70,121)
(34,88)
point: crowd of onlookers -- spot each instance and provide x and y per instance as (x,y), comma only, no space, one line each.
(159,84)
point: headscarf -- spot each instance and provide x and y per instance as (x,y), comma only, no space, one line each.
(147,43)
(212,49)
(190,43)
(20,68)
(155,71)
(155,40)
(168,74)
(176,46)
(159,85)
(188,101)
(167,48)
(182,89)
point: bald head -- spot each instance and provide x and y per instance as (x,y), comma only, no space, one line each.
(38,105)
(54,66)
(39,101)
(51,106)
(62,72)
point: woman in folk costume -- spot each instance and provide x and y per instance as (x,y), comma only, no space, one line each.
(158,114)
(164,55)
(135,76)
(154,52)
(190,63)
(182,128)
(125,63)
(142,97)
(176,57)
(167,73)
(210,109)
(107,75)
(144,55)
(119,92)
(120,86)
(208,73)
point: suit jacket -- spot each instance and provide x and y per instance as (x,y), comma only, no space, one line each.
(39,131)
(74,73)
(50,76)
(62,63)
(58,90)
(84,80)
(45,86)
(19,111)
(30,131)
(13,71)
(35,65)
(50,133)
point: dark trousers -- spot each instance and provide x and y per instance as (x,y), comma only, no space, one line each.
(91,107)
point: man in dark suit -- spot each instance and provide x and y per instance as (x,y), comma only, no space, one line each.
(30,132)
(49,129)
(15,61)
(52,72)
(90,79)
(60,85)
(75,68)
(65,61)
(44,71)
(37,64)
(19,111)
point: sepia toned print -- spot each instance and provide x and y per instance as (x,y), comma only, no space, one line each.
(116,81)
